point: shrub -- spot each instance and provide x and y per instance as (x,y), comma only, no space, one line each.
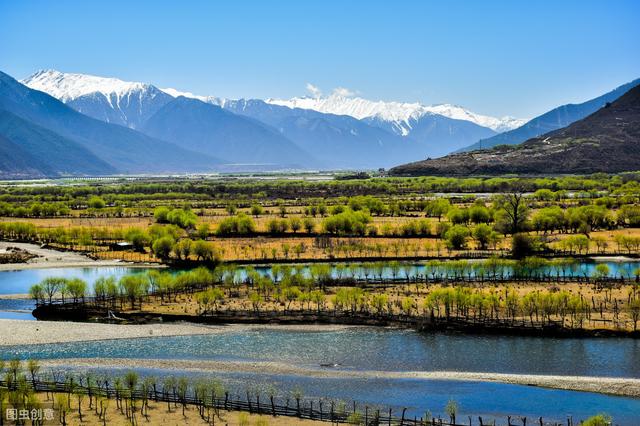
(162,247)
(96,202)
(237,225)
(522,245)
(598,420)
(347,223)
(457,236)
(277,226)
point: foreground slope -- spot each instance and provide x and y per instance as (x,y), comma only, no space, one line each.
(606,141)
(552,120)
(124,149)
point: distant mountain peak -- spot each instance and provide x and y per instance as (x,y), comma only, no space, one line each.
(108,99)
(208,99)
(69,86)
(399,113)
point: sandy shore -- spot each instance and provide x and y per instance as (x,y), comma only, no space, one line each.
(40,332)
(608,385)
(17,332)
(49,258)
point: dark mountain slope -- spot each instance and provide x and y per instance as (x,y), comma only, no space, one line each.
(31,149)
(125,149)
(553,120)
(208,128)
(606,141)
(16,163)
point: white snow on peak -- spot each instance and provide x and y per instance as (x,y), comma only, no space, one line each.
(209,99)
(456,112)
(70,86)
(398,113)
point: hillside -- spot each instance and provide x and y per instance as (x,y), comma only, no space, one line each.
(30,150)
(124,149)
(605,141)
(555,119)
(207,128)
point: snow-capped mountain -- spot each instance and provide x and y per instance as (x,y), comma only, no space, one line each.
(332,129)
(400,114)
(108,99)
(337,136)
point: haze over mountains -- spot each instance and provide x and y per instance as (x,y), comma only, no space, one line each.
(342,132)
(61,124)
(606,141)
(119,149)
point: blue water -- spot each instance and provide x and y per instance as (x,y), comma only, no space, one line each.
(373,349)
(360,349)
(19,282)
(376,349)
(581,269)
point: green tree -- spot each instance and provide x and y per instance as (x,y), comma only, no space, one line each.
(456,237)
(162,247)
(598,420)
(76,288)
(52,285)
(513,212)
(452,410)
(484,235)
(96,202)
(257,210)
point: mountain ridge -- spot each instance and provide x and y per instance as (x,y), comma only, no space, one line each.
(335,140)
(607,140)
(554,119)
(124,149)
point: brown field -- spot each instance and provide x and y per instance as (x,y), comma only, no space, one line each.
(158,414)
(186,304)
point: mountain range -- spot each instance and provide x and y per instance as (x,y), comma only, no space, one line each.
(336,132)
(116,148)
(606,141)
(110,126)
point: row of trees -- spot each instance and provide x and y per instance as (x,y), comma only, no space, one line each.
(309,277)
(447,302)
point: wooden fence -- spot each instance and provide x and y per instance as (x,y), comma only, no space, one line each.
(319,410)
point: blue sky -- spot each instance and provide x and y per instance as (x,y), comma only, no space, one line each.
(495,57)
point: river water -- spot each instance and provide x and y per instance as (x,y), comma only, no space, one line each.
(385,351)
(372,350)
